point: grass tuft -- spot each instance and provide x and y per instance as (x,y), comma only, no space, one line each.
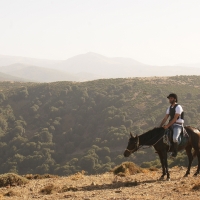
(77,176)
(153,168)
(127,168)
(11,193)
(48,189)
(11,179)
(196,186)
(68,188)
(38,176)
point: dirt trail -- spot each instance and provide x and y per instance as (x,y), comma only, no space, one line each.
(108,186)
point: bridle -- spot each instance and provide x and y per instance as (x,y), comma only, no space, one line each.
(135,149)
(140,146)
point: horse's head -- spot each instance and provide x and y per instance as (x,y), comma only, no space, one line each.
(133,145)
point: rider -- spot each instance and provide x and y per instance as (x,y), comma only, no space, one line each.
(176,114)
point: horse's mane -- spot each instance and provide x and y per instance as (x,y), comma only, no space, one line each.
(154,133)
(154,129)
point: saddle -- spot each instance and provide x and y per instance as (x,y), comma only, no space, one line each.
(168,137)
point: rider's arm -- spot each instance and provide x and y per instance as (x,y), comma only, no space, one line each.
(164,120)
(172,121)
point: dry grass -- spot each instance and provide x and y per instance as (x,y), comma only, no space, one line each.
(145,185)
(77,176)
(127,168)
(38,176)
(49,189)
(68,188)
(153,169)
(130,183)
(11,179)
(11,193)
(196,186)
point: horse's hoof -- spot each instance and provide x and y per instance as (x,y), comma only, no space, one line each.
(195,174)
(161,178)
(168,179)
(186,175)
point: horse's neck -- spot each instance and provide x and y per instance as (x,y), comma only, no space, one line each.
(143,140)
(149,138)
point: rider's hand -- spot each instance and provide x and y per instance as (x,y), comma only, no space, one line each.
(165,127)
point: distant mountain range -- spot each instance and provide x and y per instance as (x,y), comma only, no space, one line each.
(84,67)
(36,74)
(7,77)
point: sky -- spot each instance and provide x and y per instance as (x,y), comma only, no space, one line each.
(156,32)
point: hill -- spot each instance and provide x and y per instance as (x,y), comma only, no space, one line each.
(79,186)
(7,77)
(42,74)
(37,74)
(117,67)
(64,127)
(89,66)
(6,60)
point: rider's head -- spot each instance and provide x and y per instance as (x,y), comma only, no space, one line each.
(173,98)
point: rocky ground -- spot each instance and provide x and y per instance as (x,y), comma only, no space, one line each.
(108,186)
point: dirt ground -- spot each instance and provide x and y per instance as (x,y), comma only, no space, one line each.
(108,186)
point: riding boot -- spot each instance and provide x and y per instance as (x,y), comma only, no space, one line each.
(175,149)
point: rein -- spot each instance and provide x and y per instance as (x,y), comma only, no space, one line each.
(139,147)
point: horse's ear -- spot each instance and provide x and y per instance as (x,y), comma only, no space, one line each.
(131,134)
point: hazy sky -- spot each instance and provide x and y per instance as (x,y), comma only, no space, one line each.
(159,32)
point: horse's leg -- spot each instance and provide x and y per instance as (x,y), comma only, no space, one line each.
(190,159)
(166,164)
(198,157)
(162,163)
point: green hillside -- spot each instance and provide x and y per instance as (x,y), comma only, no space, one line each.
(65,127)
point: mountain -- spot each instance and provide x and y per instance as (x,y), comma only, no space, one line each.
(89,66)
(37,74)
(196,65)
(7,77)
(118,67)
(101,65)
(9,60)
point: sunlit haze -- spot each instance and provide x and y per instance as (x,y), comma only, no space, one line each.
(150,31)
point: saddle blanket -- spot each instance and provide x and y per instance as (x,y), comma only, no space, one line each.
(168,137)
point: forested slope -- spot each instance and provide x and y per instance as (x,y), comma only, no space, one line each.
(64,127)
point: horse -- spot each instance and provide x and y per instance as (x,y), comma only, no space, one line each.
(154,138)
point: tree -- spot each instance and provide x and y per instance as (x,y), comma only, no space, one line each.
(87,163)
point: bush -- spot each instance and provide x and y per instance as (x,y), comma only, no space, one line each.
(11,193)
(49,189)
(11,179)
(127,168)
(38,176)
(196,186)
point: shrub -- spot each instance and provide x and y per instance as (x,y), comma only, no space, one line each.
(11,179)
(48,189)
(196,185)
(127,168)
(153,168)
(11,193)
(78,175)
(38,176)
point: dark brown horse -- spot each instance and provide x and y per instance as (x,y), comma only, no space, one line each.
(154,138)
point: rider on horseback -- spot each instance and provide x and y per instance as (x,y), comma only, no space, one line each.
(176,114)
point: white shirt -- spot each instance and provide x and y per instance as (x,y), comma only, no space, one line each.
(178,110)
